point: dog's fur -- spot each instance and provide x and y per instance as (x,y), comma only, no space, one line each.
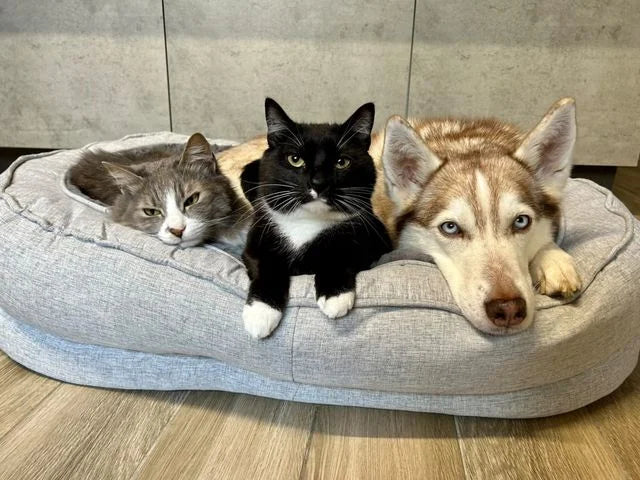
(482,175)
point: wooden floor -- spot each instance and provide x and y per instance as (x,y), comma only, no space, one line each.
(51,430)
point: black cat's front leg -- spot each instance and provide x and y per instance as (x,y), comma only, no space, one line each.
(335,292)
(267,298)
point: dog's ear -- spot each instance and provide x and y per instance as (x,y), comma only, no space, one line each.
(126,179)
(407,161)
(198,150)
(548,148)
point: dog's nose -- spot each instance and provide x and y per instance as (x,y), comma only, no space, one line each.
(177,231)
(506,313)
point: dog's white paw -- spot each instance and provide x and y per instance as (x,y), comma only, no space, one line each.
(338,305)
(554,273)
(260,319)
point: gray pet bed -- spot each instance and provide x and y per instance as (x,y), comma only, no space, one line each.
(89,302)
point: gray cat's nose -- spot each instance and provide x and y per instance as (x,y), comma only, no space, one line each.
(177,231)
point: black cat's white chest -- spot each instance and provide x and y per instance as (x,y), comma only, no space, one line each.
(303,225)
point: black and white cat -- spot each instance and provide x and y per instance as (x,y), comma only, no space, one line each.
(311,192)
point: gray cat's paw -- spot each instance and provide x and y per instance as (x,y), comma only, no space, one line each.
(338,305)
(260,319)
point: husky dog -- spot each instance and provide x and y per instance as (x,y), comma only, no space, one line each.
(483,200)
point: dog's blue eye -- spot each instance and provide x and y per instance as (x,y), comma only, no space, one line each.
(521,222)
(450,228)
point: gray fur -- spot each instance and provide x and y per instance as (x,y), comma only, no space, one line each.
(130,182)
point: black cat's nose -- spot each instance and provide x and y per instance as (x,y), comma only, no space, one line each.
(318,183)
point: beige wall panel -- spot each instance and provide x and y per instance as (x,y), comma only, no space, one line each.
(513,59)
(73,72)
(319,59)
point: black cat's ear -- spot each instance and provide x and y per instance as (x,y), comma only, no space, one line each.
(279,125)
(359,125)
(126,179)
(198,150)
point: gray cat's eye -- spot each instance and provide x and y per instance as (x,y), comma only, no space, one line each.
(295,161)
(151,212)
(192,199)
(343,163)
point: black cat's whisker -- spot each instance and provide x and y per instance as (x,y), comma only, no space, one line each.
(290,185)
(360,130)
(282,182)
(284,128)
(295,205)
(216,220)
(366,196)
(344,210)
(264,209)
(363,210)
(276,201)
(356,189)
(244,215)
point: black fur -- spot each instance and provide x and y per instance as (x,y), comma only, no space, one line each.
(340,251)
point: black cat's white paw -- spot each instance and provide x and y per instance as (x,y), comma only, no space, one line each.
(260,319)
(338,305)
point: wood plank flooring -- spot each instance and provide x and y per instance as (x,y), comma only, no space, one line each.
(51,430)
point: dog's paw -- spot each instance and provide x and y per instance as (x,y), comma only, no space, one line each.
(554,273)
(260,319)
(338,305)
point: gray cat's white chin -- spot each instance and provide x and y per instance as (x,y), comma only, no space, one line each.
(181,242)
(191,243)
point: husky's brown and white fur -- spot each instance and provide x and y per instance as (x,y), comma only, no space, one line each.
(483,200)
(484,176)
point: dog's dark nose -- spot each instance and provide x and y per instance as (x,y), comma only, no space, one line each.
(177,231)
(506,312)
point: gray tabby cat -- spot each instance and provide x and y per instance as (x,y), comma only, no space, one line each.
(181,198)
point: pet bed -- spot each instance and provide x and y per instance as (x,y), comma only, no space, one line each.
(87,301)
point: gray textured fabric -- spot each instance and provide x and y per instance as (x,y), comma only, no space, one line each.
(70,277)
(117,368)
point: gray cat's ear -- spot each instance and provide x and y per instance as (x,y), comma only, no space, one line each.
(198,150)
(359,125)
(279,125)
(126,179)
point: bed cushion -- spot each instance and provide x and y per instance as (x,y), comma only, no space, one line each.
(91,302)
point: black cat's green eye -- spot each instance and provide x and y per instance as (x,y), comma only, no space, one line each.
(343,163)
(151,212)
(295,161)
(192,199)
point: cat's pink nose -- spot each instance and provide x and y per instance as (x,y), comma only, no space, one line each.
(177,231)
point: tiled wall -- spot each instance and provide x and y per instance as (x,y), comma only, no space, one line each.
(72,72)
(88,70)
